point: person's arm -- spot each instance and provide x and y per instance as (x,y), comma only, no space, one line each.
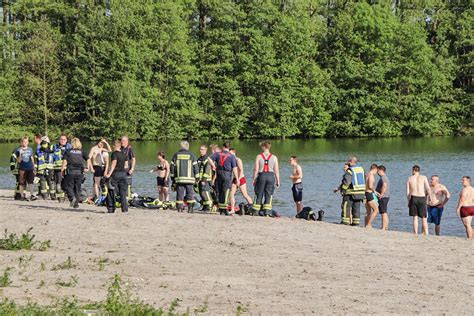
(462,196)
(134,162)
(255,171)
(408,191)
(383,189)
(109,149)
(107,163)
(277,173)
(112,168)
(448,196)
(167,170)
(240,168)
(427,186)
(63,166)
(235,173)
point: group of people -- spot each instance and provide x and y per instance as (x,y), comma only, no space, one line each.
(217,174)
(425,200)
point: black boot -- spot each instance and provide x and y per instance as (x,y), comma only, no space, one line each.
(190,208)
(320,216)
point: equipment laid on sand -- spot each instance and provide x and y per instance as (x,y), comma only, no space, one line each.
(307,213)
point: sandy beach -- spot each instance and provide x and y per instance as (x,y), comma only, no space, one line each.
(258,265)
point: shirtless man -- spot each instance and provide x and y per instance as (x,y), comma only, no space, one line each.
(371,199)
(437,199)
(241,180)
(297,188)
(465,208)
(417,189)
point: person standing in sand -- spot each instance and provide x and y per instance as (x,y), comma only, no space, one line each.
(297,179)
(383,192)
(439,196)
(417,190)
(465,208)
(371,198)
(240,183)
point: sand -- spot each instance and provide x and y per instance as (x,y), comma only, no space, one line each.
(259,265)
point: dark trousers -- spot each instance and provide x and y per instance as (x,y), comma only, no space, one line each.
(72,184)
(118,185)
(264,188)
(58,180)
(223,185)
(184,193)
(350,206)
(47,184)
(205,193)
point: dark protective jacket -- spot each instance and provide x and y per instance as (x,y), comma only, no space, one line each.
(353,182)
(184,167)
(205,169)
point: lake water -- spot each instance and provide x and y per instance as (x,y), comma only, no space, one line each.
(322,161)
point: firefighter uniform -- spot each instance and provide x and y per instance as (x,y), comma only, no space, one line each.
(15,172)
(205,179)
(45,170)
(58,153)
(353,192)
(184,173)
(265,185)
(225,164)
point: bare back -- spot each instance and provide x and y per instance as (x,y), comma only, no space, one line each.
(370,183)
(240,168)
(417,185)
(468,196)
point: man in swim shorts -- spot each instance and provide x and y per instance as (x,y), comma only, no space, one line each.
(439,196)
(417,190)
(297,188)
(465,208)
(383,193)
(371,199)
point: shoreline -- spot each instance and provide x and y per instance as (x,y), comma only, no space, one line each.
(265,265)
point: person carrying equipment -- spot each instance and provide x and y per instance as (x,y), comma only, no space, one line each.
(353,193)
(59,150)
(15,172)
(184,173)
(266,175)
(205,179)
(226,170)
(45,170)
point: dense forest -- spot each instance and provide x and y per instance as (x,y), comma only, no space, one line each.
(226,69)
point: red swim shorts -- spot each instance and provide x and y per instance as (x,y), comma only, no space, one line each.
(467,211)
(243,181)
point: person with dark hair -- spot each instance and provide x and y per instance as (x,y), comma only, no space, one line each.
(383,193)
(465,208)
(72,169)
(59,150)
(118,179)
(437,199)
(266,175)
(226,170)
(371,199)
(417,190)
(297,180)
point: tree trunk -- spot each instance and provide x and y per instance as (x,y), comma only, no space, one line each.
(45,104)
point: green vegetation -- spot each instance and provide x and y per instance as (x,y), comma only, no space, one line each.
(227,69)
(119,301)
(72,282)
(5,279)
(66,265)
(25,241)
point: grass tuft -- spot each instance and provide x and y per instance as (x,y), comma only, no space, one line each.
(25,241)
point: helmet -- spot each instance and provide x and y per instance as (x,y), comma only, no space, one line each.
(45,139)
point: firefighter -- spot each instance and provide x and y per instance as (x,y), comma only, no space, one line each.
(184,173)
(205,179)
(45,170)
(353,193)
(59,150)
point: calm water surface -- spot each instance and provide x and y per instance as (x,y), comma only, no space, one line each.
(322,162)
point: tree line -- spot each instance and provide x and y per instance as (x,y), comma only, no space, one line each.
(168,69)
